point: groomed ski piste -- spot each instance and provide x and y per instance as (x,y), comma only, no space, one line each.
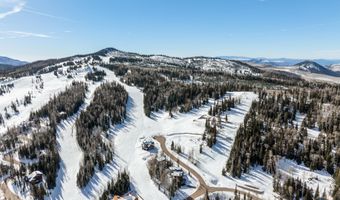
(183,129)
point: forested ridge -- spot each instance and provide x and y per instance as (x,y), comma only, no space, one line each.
(107,108)
(270,131)
(42,147)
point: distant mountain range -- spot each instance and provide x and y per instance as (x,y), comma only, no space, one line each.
(8,63)
(231,64)
(281,61)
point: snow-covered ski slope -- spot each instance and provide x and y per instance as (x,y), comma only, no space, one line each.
(184,129)
(40,96)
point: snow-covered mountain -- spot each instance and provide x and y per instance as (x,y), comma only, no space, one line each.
(313,67)
(280,61)
(232,66)
(9,61)
(335,67)
(205,63)
(184,129)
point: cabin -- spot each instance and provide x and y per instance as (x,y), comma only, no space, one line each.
(128,196)
(177,174)
(148,145)
(176,171)
(35,177)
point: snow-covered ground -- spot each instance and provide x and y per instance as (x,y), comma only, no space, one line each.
(212,160)
(127,139)
(2,195)
(313,133)
(52,86)
(71,155)
(309,76)
(313,178)
(69,150)
(185,129)
(18,192)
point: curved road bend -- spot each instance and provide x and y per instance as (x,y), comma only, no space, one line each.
(203,187)
(9,195)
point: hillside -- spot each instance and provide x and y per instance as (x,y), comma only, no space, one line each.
(159,127)
(313,67)
(335,68)
(112,55)
(279,62)
(9,61)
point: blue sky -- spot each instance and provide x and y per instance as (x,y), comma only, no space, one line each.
(39,29)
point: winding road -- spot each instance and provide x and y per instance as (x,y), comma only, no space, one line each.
(9,195)
(203,187)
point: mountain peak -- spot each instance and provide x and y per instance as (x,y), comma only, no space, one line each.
(309,64)
(314,67)
(106,51)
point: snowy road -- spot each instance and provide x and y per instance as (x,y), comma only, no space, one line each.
(203,187)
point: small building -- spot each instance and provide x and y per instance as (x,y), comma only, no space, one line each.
(177,174)
(35,177)
(128,196)
(161,159)
(175,169)
(148,145)
(63,115)
(42,154)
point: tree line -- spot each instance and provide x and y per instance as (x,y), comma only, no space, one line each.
(117,187)
(41,148)
(44,143)
(107,108)
(269,131)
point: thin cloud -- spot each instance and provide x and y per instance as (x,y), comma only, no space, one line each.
(35,12)
(17,7)
(21,34)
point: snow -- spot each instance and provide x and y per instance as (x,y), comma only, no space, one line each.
(70,154)
(127,137)
(313,133)
(308,75)
(168,59)
(335,67)
(313,178)
(188,189)
(69,151)
(211,162)
(221,195)
(16,190)
(185,129)
(52,86)
(205,63)
(23,160)
(2,195)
